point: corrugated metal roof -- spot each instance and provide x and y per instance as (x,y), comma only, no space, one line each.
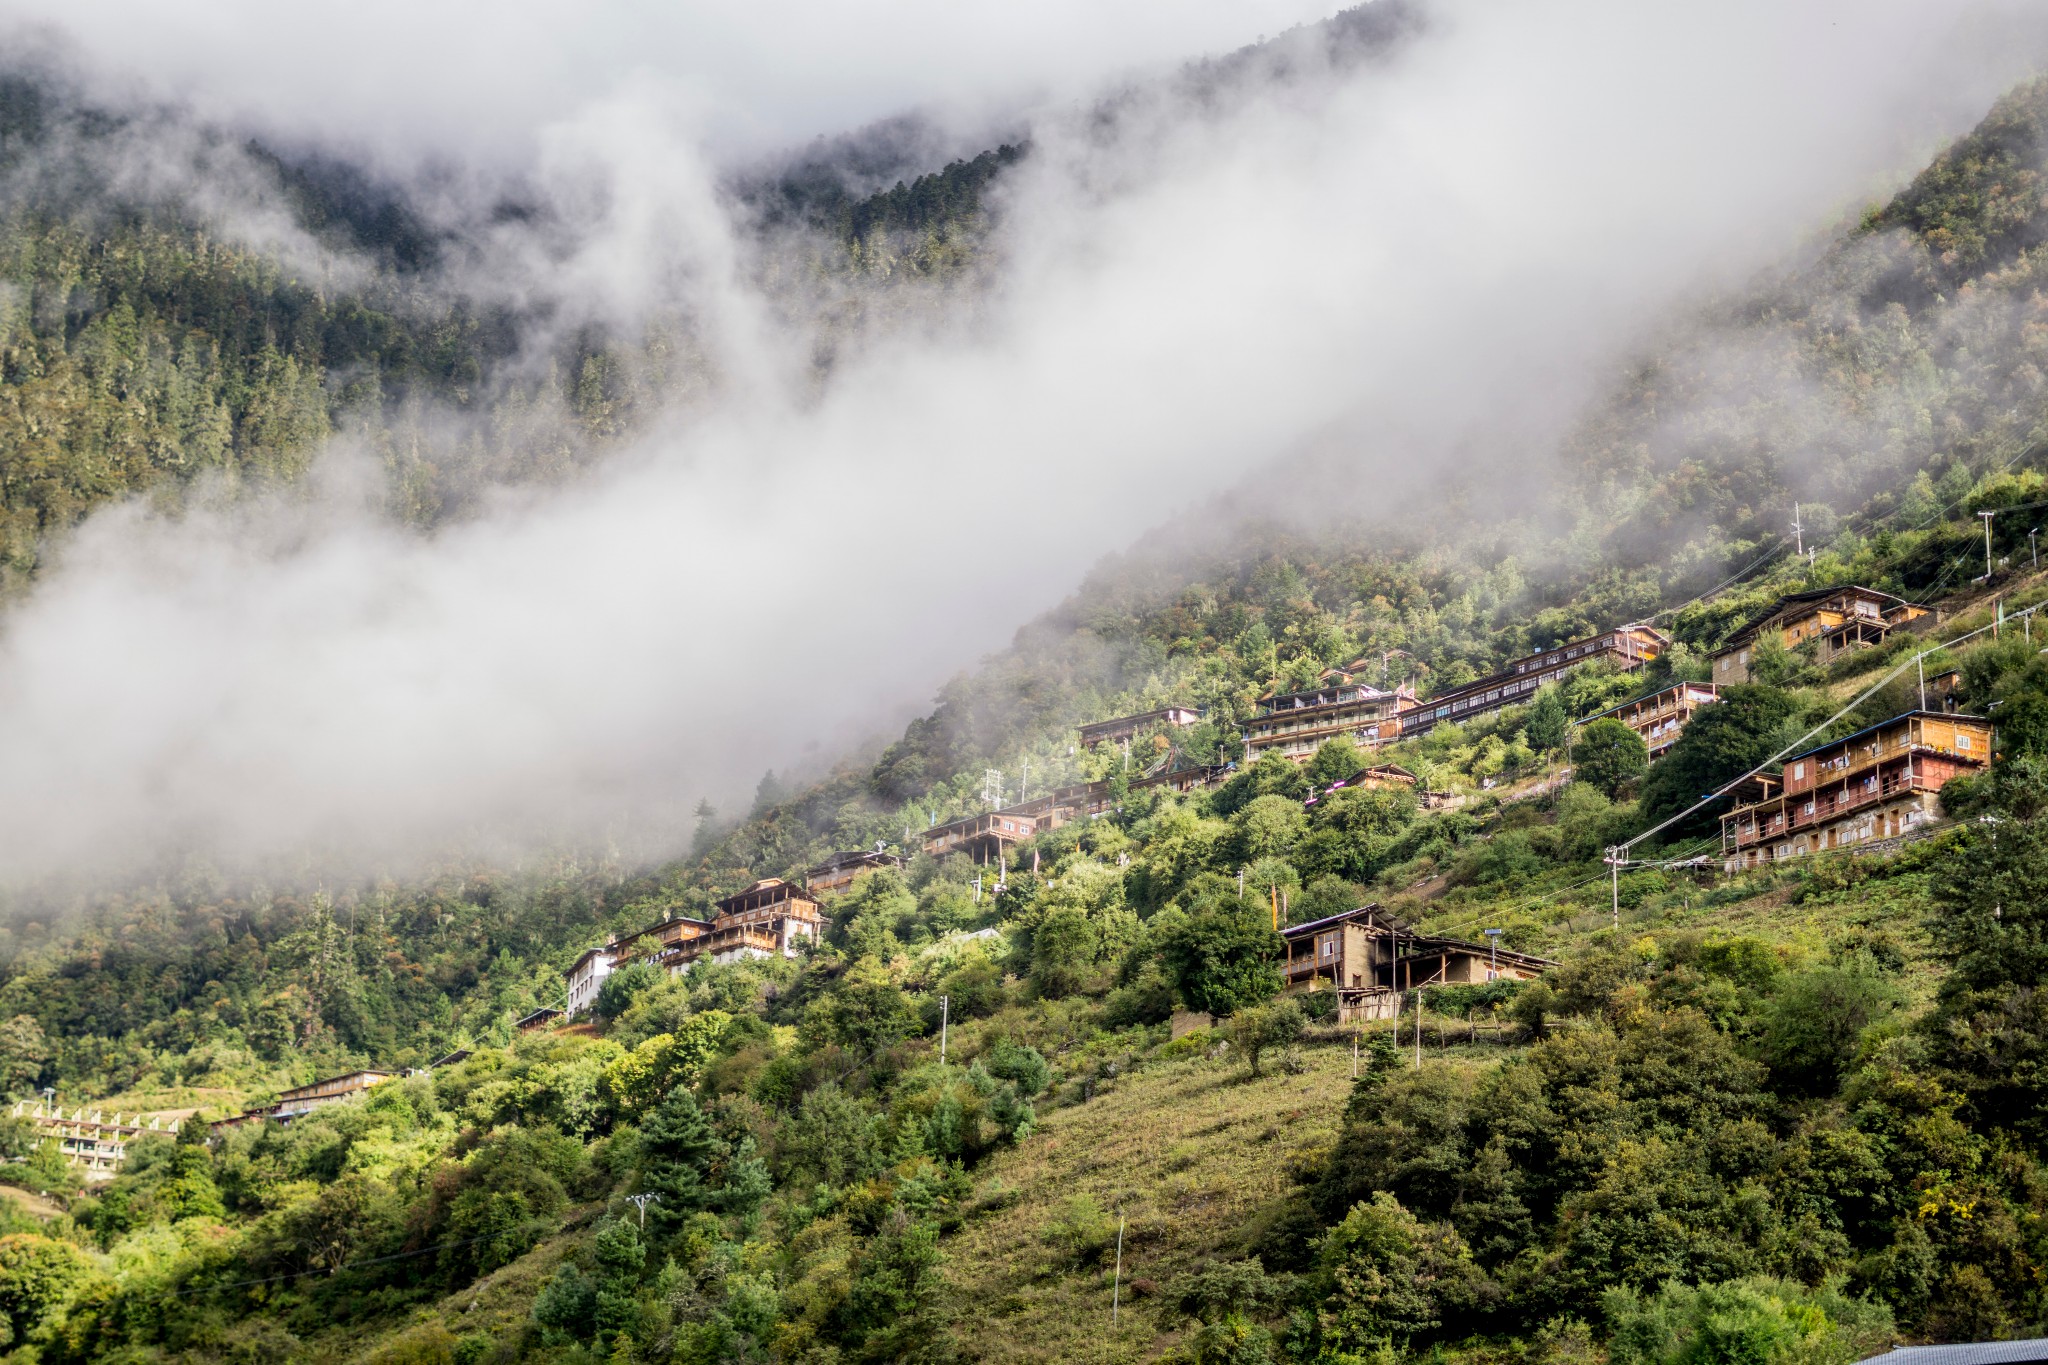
(1969,1353)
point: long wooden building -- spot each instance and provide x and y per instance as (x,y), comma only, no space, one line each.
(1296,724)
(1628,647)
(1121,728)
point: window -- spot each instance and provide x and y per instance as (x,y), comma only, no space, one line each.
(1798,771)
(1962,741)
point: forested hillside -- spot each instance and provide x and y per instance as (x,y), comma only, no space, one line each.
(1787,1115)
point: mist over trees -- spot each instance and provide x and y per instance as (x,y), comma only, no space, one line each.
(1758,1119)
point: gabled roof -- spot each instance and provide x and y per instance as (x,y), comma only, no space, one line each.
(1903,715)
(1372,911)
(1797,599)
(858,857)
(1423,944)
(1642,697)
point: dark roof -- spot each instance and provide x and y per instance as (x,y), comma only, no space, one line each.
(1364,692)
(1139,718)
(1903,715)
(1969,1353)
(1509,673)
(1311,926)
(1793,599)
(859,857)
(1424,943)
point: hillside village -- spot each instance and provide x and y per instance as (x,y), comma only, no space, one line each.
(1609,940)
(1869,791)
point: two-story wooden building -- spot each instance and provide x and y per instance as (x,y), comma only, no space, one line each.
(837,872)
(1126,727)
(986,836)
(1831,620)
(1659,716)
(1296,724)
(770,918)
(1369,957)
(1879,783)
(302,1100)
(1628,647)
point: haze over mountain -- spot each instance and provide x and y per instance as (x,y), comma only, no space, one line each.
(1382,258)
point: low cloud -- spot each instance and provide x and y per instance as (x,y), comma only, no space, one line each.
(1373,262)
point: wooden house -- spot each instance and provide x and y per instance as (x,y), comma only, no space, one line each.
(1832,621)
(770,918)
(1659,716)
(1296,724)
(987,836)
(837,872)
(544,1017)
(1369,957)
(1628,647)
(304,1099)
(1879,783)
(1126,727)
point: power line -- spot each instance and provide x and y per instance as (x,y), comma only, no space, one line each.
(1857,701)
(351,1265)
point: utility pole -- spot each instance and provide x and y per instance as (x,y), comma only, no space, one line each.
(1920,663)
(1024,784)
(1493,951)
(1418,1028)
(2033,550)
(945,1006)
(640,1202)
(1987,543)
(1614,881)
(1116,1288)
(1798,532)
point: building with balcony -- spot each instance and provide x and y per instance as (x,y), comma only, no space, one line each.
(1296,724)
(770,918)
(837,872)
(302,1100)
(1629,647)
(1659,716)
(1370,957)
(1127,727)
(1832,620)
(91,1141)
(1879,783)
(987,837)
